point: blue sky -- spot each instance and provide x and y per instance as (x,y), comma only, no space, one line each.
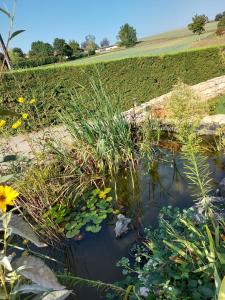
(74,19)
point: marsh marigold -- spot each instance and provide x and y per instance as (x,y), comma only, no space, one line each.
(17,124)
(7,197)
(25,116)
(103,194)
(21,100)
(32,101)
(2,123)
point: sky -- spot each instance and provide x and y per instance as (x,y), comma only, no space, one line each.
(74,19)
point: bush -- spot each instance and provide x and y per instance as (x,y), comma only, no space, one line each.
(35,62)
(139,78)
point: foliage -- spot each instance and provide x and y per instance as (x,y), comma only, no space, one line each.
(89,44)
(93,210)
(41,49)
(104,43)
(178,259)
(35,62)
(74,45)
(217,105)
(219,16)
(198,24)
(127,35)
(184,105)
(221,25)
(61,48)
(16,55)
(141,78)
(100,135)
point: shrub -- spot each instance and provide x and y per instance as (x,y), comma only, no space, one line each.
(142,78)
(35,62)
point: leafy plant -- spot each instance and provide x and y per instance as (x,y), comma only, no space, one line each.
(94,208)
(178,259)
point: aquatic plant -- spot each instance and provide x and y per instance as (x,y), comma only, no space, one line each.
(178,259)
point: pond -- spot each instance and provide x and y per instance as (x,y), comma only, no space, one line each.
(95,256)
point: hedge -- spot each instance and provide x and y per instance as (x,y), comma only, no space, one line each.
(35,62)
(140,78)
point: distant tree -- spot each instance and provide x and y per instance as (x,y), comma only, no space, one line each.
(221,26)
(39,48)
(16,55)
(74,45)
(219,16)
(61,48)
(104,43)
(198,24)
(206,18)
(89,44)
(127,35)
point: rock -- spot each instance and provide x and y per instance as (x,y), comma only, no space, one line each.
(121,225)
(222,187)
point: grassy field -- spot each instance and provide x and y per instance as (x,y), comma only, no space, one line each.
(164,43)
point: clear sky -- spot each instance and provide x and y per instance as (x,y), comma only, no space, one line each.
(74,19)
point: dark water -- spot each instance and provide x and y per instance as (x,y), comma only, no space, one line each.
(95,257)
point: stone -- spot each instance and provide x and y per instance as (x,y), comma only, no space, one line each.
(121,225)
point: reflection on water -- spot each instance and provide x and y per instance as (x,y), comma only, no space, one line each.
(96,256)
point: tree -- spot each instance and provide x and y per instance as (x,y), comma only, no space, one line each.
(16,55)
(219,16)
(198,24)
(89,44)
(61,48)
(221,26)
(40,48)
(74,45)
(127,35)
(104,43)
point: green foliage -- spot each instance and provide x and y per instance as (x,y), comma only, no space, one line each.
(178,259)
(41,49)
(95,208)
(221,25)
(61,48)
(35,62)
(74,45)
(217,105)
(127,35)
(142,78)
(219,16)
(198,24)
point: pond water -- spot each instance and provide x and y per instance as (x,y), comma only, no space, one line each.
(95,256)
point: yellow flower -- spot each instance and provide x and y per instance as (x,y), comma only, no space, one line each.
(2,123)
(17,124)
(32,101)
(21,100)
(103,194)
(24,116)
(7,196)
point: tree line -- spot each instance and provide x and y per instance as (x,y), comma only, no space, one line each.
(127,37)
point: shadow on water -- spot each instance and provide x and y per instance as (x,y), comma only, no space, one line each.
(95,257)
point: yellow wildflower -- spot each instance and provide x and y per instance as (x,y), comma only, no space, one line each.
(24,116)
(103,194)
(2,123)
(21,100)
(7,196)
(17,124)
(32,101)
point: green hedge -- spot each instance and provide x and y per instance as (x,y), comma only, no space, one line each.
(140,78)
(35,62)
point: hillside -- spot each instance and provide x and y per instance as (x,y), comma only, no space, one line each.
(164,43)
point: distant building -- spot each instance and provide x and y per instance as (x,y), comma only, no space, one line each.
(107,49)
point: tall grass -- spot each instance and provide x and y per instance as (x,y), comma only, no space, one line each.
(101,135)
